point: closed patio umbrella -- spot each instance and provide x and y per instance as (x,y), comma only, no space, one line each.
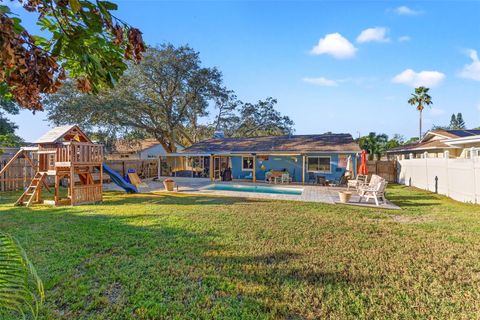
(348,168)
(363,164)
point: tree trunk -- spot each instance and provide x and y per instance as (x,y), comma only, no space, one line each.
(420,125)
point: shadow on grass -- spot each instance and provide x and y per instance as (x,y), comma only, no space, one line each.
(172,199)
(417,198)
(107,266)
(122,198)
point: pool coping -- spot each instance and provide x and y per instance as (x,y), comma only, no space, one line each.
(311,193)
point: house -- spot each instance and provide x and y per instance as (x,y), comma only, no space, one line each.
(140,149)
(436,143)
(7,152)
(303,156)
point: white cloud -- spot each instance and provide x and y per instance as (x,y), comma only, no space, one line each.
(404,38)
(471,71)
(406,11)
(436,112)
(423,78)
(335,45)
(377,34)
(321,81)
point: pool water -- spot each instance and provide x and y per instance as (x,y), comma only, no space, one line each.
(254,188)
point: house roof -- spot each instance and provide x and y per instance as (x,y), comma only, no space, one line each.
(341,142)
(62,133)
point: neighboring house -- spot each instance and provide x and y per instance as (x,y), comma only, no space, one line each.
(435,143)
(7,152)
(141,149)
(303,156)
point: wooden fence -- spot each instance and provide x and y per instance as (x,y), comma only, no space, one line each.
(20,173)
(144,168)
(17,177)
(386,169)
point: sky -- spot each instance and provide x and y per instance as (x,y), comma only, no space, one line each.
(339,66)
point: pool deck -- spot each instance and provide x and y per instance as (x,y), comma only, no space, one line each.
(311,193)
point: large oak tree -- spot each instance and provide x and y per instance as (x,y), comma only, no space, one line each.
(167,96)
(162,96)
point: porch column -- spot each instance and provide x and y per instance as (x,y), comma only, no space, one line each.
(175,166)
(211,168)
(303,169)
(254,179)
(191,164)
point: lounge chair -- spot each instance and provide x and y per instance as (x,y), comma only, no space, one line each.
(375,190)
(359,181)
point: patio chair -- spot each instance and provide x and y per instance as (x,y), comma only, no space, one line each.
(321,180)
(342,181)
(268,177)
(360,180)
(312,178)
(376,191)
(286,178)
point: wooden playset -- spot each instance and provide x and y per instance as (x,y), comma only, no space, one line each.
(64,155)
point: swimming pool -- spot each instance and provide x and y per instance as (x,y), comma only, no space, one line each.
(254,188)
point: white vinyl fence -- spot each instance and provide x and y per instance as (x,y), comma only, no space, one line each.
(458,178)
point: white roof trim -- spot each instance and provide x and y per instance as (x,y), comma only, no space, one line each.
(462,140)
(434,134)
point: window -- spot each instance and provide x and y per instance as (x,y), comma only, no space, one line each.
(318,164)
(247,163)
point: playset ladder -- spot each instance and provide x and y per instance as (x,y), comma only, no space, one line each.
(33,190)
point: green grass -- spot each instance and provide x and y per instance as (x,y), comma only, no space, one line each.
(155,256)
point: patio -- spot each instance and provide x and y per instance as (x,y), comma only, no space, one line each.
(311,193)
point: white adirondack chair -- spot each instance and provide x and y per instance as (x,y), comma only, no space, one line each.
(360,180)
(374,190)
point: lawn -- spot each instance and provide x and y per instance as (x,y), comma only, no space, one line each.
(156,256)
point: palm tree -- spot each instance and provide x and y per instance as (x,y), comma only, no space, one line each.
(420,98)
(21,290)
(374,143)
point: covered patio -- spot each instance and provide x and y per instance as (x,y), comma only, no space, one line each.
(300,168)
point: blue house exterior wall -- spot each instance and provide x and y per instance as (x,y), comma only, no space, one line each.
(293,164)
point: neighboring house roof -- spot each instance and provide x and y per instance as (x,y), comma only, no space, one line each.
(292,143)
(134,146)
(450,133)
(62,133)
(127,146)
(436,139)
(465,140)
(427,145)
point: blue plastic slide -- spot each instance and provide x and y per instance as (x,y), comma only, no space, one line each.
(118,180)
